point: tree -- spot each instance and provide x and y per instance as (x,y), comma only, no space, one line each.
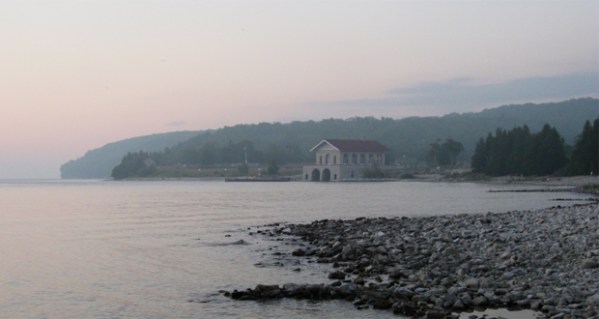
(134,164)
(519,152)
(434,152)
(584,159)
(273,168)
(243,169)
(445,154)
(479,160)
(208,153)
(547,152)
(451,148)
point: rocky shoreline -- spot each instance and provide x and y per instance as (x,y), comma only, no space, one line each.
(434,267)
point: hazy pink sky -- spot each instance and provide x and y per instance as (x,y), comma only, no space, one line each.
(77,74)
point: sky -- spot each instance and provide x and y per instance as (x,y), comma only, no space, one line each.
(78,74)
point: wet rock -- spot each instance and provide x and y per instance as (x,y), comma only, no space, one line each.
(406,309)
(382,304)
(337,275)
(348,290)
(437,314)
(267,291)
(298,252)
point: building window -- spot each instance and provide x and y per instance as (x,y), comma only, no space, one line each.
(345,159)
(354,159)
(335,159)
(326,159)
(362,159)
(320,160)
(370,159)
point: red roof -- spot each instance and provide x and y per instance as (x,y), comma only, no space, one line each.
(355,146)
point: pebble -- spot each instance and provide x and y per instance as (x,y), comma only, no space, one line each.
(430,267)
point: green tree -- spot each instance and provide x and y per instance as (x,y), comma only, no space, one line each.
(451,149)
(519,152)
(243,169)
(134,165)
(479,160)
(584,159)
(520,140)
(208,154)
(547,152)
(445,154)
(434,153)
(273,168)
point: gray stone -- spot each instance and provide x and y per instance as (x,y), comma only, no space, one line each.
(337,275)
(472,283)
(298,252)
(593,300)
(479,301)
(541,260)
(590,264)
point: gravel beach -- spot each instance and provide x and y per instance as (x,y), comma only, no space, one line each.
(435,267)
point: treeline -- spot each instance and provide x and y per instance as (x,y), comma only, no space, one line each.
(146,164)
(98,163)
(585,155)
(520,152)
(409,138)
(513,152)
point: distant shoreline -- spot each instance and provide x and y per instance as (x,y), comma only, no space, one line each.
(549,181)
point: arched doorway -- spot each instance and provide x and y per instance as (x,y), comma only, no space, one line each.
(315,175)
(326,175)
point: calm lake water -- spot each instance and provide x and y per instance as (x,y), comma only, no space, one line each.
(101,249)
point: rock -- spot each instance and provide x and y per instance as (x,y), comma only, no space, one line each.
(403,293)
(382,304)
(508,275)
(267,291)
(348,252)
(449,300)
(548,308)
(398,274)
(338,275)
(298,252)
(348,290)
(359,281)
(458,305)
(472,283)
(479,302)
(427,266)
(593,300)
(437,314)
(590,264)
(405,309)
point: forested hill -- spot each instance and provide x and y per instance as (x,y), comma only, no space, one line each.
(409,138)
(98,163)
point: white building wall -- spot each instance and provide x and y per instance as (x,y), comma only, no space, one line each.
(329,159)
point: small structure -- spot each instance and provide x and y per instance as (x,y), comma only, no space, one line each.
(338,160)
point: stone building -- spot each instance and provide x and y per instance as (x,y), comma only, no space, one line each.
(338,160)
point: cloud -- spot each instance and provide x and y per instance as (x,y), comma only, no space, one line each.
(462,94)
